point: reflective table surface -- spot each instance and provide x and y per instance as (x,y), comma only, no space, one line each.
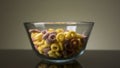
(90,59)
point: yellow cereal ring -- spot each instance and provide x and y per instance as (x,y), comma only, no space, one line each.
(46,44)
(33,34)
(52,54)
(55,47)
(39,43)
(59,30)
(61,46)
(67,35)
(51,30)
(53,66)
(40,50)
(79,39)
(38,36)
(73,34)
(60,37)
(79,35)
(57,54)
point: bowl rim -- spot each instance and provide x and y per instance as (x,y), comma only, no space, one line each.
(66,22)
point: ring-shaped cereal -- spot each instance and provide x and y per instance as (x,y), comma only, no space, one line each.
(79,36)
(60,37)
(40,50)
(73,34)
(55,47)
(74,42)
(46,43)
(57,54)
(38,37)
(52,54)
(44,31)
(38,43)
(59,30)
(61,46)
(67,35)
(52,37)
(45,36)
(50,30)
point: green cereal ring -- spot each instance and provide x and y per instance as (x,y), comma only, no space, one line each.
(55,47)
(60,37)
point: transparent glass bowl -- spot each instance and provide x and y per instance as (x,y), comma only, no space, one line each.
(58,41)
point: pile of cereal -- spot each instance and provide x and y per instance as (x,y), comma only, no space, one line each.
(57,43)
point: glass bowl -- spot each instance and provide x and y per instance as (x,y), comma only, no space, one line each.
(58,41)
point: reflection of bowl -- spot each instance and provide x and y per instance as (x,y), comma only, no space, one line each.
(59,41)
(74,64)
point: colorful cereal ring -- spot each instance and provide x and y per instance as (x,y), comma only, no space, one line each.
(74,42)
(55,47)
(52,37)
(45,36)
(72,33)
(60,37)
(52,54)
(59,30)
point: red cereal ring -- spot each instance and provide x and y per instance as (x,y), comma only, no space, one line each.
(45,50)
(74,42)
(51,37)
(45,36)
(44,31)
(70,53)
(67,45)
